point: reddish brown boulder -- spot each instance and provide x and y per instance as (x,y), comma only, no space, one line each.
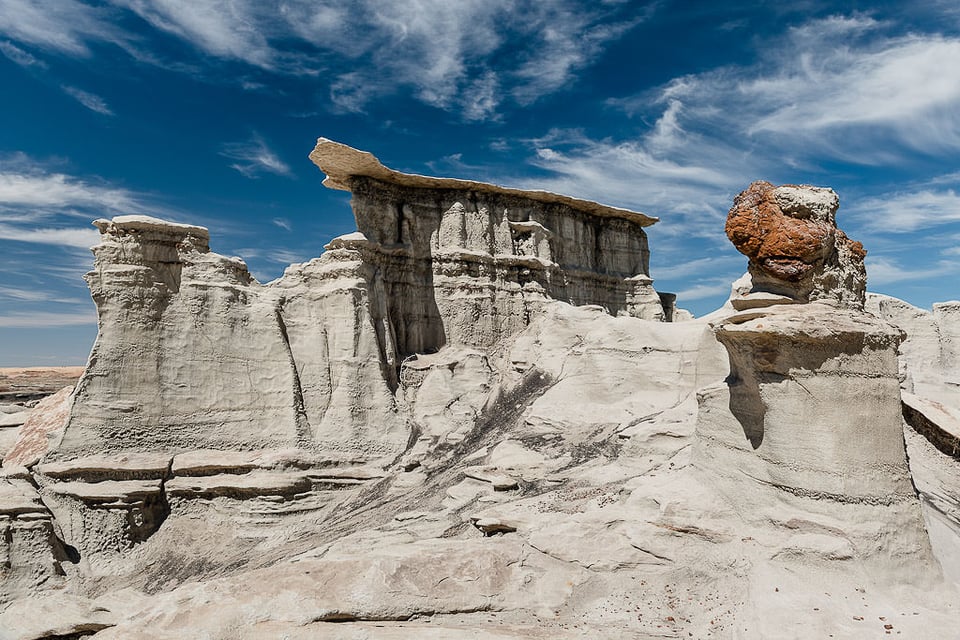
(795,248)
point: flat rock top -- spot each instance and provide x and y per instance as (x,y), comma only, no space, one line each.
(148,223)
(340,162)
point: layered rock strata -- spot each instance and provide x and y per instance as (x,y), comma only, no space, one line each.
(808,422)
(465,262)
(558,481)
(193,353)
(196,360)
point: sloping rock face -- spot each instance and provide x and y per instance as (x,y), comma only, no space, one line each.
(929,357)
(790,235)
(930,380)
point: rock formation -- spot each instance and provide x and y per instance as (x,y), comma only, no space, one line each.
(193,353)
(929,357)
(790,235)
(467,419)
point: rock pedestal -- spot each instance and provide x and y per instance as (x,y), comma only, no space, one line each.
(811,406)
(808,424)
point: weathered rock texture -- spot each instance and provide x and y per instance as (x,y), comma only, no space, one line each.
(809,417)
(466,262)
(808,424)
(193,353)
(795,249)
(929,357)
(282,467)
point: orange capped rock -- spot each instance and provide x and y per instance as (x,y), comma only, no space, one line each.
(795,248)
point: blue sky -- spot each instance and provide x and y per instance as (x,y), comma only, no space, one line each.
(204,112)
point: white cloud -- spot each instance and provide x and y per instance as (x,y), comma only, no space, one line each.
(690,192)
(21,57)
(46,319)
(61,25)
(882,270)
(24,295)
(700,266)
(481,98)
(254,157)
(909,86)
(452,55)
(89,100)
(31,191)
(76,237)
(702,291)
(835,86)
(283,223)
(908,211)
(223,28)
(563,42)
(36,295)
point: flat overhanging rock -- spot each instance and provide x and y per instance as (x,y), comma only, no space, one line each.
(341,162)
(149,223)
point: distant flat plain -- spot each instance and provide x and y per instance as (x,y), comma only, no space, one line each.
(21,384)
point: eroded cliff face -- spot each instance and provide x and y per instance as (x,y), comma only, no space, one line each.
(930,356)
(189,354)
(462,262)
(193,353)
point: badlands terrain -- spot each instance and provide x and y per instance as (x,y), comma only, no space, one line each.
(475,417)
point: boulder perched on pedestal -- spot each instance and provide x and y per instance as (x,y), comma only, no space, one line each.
(808,424)
(796,250)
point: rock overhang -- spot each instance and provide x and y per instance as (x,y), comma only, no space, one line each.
(341,163)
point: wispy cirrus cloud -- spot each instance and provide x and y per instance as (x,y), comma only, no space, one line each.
(45,319)
(67,26)
(467,56)
(885,270)
(689,189)
(908,211)
(715,288)
(89,100)
(283,223)
(21,57)
(80,238)
(253,157)
(30,192)
(39,206)
(810,96)
(712,133)
(35,295)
